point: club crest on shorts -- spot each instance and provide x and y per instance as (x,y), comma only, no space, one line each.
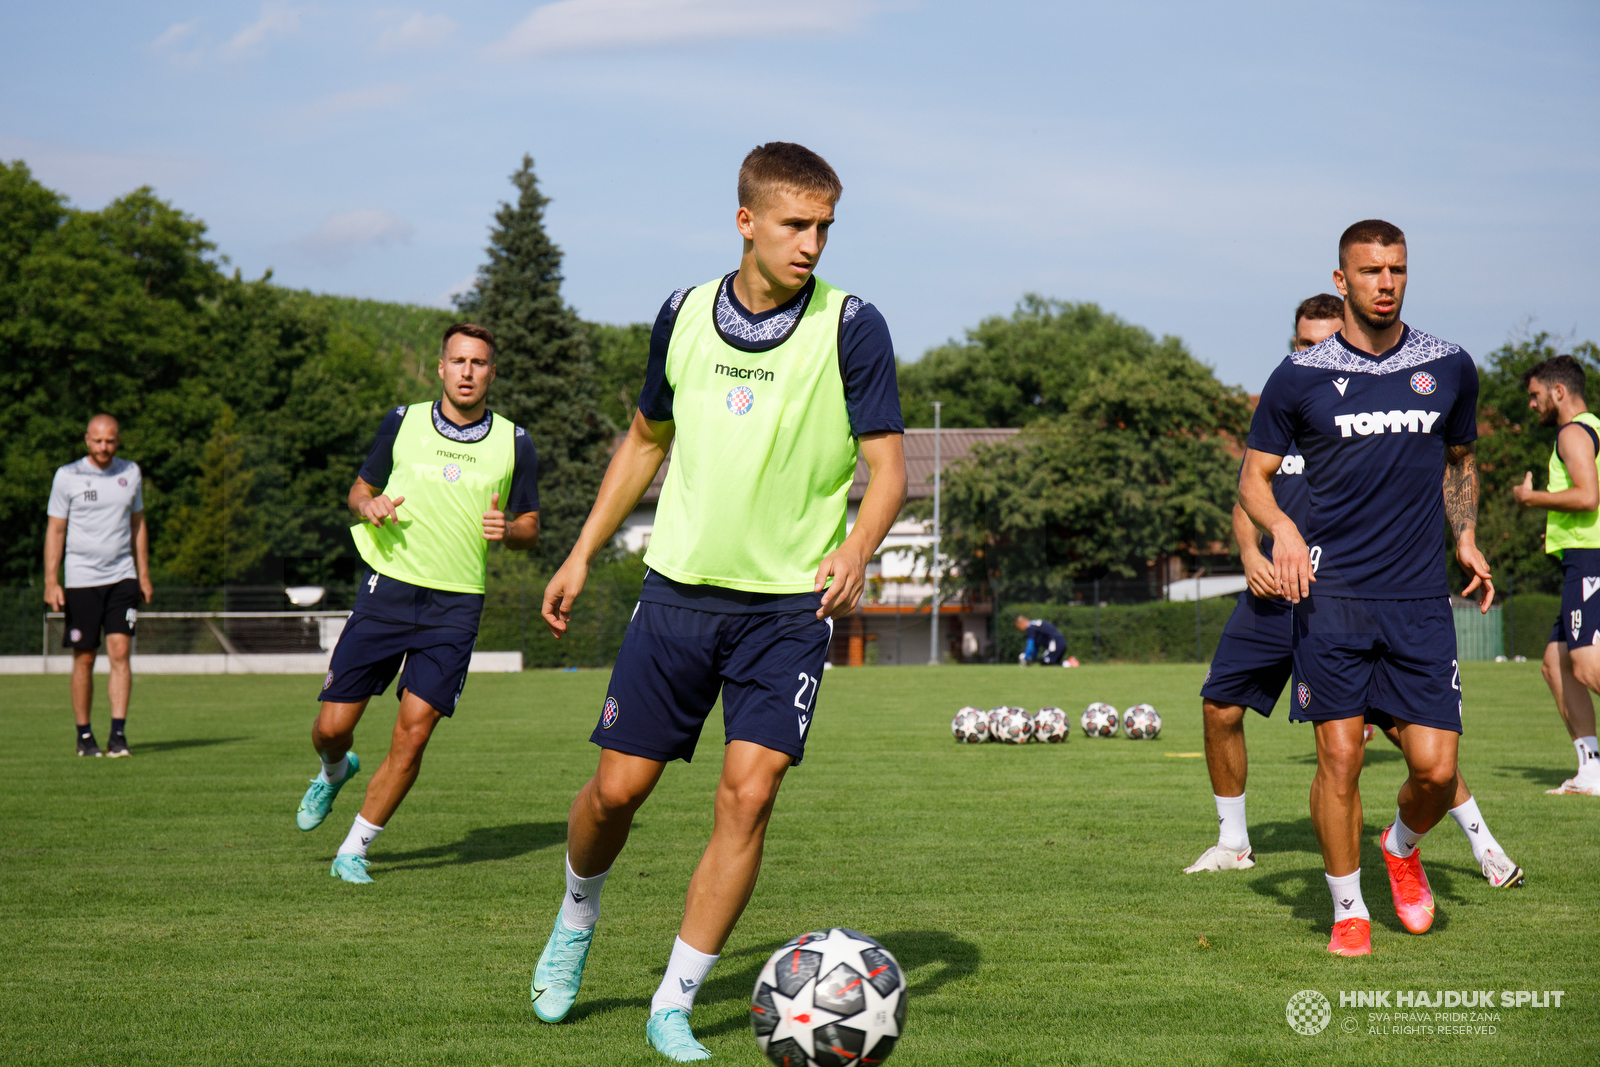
(1302,693)
(609,716)
(1423,382)
(451,472)
(76,635)
(1577,622)
(740,399)
(327,683)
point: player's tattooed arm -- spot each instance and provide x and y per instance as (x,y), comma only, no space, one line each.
(1461,508)
(1461,489)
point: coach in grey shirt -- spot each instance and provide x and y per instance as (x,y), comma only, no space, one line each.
(97,518)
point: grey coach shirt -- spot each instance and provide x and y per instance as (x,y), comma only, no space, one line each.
(97,504)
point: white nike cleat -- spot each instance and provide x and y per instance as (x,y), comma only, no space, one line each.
(1501,872)
(1217,858)
(1588,786)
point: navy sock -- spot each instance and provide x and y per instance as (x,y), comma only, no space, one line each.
(117,727)
(85,733)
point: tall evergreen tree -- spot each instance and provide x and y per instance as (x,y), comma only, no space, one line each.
(546,376)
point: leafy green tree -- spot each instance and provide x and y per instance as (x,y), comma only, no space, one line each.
(221,536)
(546,374)
(1052,358)
(103,311)
(1513,443)
(1121,461)
(620,355)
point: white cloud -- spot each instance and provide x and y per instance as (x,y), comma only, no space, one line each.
(366,98)
(175,35)
(417,31)
(277,21)
(580,25)
(343,235)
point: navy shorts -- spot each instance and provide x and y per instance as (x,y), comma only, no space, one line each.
(1397,657)
(1255,655)
(1579,622)
(674,661)
(370,652)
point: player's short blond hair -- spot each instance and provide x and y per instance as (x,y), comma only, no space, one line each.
(785,165)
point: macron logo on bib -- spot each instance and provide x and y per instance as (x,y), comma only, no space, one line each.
(1371,422)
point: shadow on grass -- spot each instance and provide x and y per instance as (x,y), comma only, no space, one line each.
(144,747)
(1544,776)
(1291,836)
(483,845)
(1305,891)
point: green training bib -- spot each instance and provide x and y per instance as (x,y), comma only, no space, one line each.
(763,455)
(447,487)
(1570,529)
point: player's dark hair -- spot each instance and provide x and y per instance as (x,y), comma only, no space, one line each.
(1321,306)
(1370,232)
(467,329)
(785,165)
(1558,370)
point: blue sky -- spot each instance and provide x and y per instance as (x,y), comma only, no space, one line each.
(1187,166)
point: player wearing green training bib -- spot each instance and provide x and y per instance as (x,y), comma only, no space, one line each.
(768,384)
(1572,535)
(429,499)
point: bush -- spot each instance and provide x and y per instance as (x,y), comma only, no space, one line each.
(1158,632)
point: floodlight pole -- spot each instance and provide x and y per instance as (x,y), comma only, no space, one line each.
(933,639)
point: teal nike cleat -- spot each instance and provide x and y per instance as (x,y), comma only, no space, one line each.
(318,801)
(559,972)
(351,867)
(669,1034)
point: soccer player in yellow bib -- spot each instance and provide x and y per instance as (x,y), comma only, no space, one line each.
(429,499)
(1572,534)
(766,383)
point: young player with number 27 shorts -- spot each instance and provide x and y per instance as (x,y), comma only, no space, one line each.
(767,383)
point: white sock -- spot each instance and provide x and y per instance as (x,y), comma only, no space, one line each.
(333,773)
(686,971)
(1231,829)
(580,908)
(362,833)
(1588,756)
(1470,819)
(1402,839)
(1347,902)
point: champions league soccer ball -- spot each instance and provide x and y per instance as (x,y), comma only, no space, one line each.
(1013,726)
(993,715)
(830,998)
(1141,723)
(971,726)
(1099,720)
(1050,726)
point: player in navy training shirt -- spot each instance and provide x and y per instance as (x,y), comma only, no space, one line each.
(1044,642)
(1254,660)
(1382,414)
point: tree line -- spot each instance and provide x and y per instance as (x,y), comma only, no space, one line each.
(250,406)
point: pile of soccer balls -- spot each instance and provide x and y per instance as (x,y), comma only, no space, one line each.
(1015,726)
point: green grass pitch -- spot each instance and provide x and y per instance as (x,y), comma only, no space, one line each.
(164,909)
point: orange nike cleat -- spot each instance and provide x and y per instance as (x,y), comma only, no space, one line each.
(1352,937)
(1413,899)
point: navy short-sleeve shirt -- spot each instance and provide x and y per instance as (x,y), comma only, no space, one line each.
(1374,431)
